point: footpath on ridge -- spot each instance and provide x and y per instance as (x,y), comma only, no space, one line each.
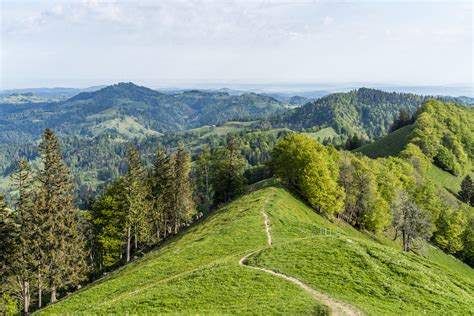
(336,307)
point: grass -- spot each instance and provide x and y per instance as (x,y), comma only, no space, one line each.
(446,179)
(197,272)
(390,145)
(224,129)
(126,126)
(353,267)
(322,134)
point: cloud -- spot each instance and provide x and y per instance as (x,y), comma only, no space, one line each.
(328,20)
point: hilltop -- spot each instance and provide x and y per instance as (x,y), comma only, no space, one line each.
(235,260)
(130,111)
(368,113)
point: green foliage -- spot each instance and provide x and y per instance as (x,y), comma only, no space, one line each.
(467,254)
(413,154)
(228,171)
(63,246)
(467,191)
(451,227)
(443,131)
(366,112)
(183,190)
(8,236)
(8,305)
(364,206)
(108,216)
(202,171)
(136,195)
(311,169)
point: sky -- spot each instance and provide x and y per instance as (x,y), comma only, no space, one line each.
(172,43)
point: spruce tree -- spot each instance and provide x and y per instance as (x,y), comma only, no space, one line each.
(184,203)
(136,191)
(467,190)
(108,217)
(168,195)
(63,246)
(8,240)
(27,253)
(157,183)
(203,177)
(229,178)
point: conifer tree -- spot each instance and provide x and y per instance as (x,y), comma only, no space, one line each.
(27,253)
(184,203)
(158,183)
(136,191)
(8,239)
(108,217)
(203,175)
(166,171)
(467,191)
(63,246)
(229,166)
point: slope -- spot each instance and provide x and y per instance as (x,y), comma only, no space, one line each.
(92,113)
(395,142)
(366,112)
(199,271)
(389,145)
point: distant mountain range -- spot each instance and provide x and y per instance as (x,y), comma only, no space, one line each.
(131,111)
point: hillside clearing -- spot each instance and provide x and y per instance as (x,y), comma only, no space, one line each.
(390,145)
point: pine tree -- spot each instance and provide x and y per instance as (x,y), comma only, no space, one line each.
(136,191)
(27,253)
(63,249)
(184,203)
(467,190)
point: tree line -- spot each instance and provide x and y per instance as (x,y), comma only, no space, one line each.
(391,196)
(49,247)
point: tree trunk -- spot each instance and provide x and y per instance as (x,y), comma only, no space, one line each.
(26,297)
(53,294)
(129,237)
(40,291)
(136,241)
(208,198)
(405,241)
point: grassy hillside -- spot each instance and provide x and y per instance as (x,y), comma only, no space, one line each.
(390,145)
(199,271)
(323,134)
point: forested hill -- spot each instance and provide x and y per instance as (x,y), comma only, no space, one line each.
(130,111)
(368,113)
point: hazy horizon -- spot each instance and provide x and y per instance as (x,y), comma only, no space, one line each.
(170,44)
